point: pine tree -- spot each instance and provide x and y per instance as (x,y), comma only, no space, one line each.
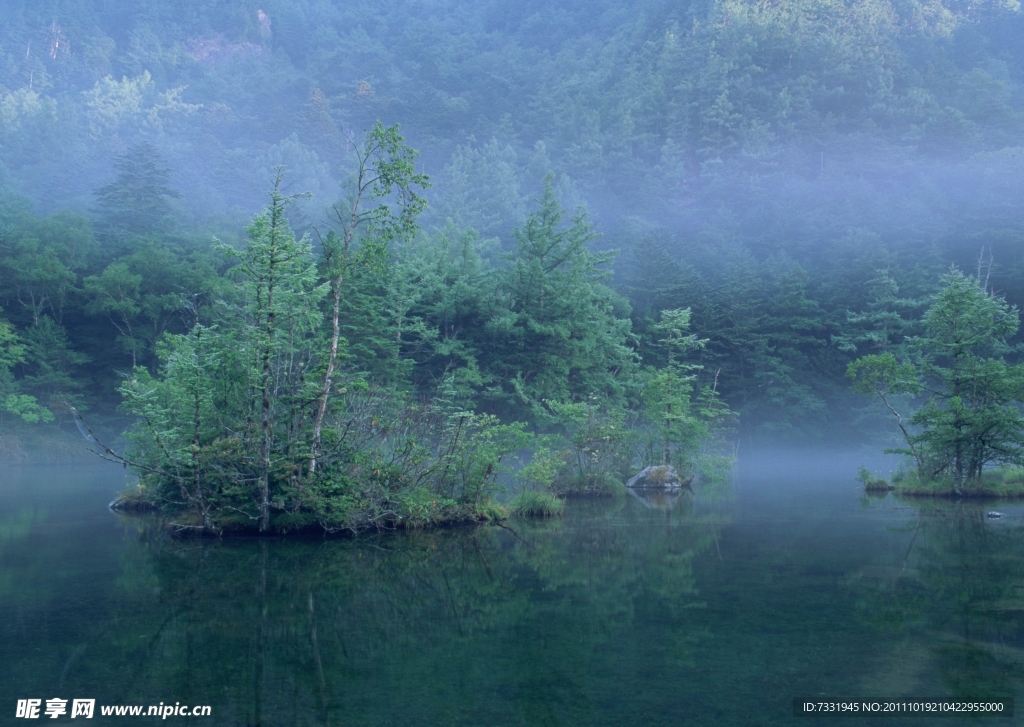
(136,202)
(678,415)
(557,331)
(282,295)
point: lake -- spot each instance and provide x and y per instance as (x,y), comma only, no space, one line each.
(718,608)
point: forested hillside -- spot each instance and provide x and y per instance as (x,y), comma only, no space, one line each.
(799,175)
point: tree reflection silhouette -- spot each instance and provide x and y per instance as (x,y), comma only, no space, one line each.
(960,587)
(454,626)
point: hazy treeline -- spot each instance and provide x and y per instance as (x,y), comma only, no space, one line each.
(797,174)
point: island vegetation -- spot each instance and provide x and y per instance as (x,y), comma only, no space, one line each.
(256,419)
(967,435)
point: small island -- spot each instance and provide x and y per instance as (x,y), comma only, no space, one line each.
(966,436)
(257,419)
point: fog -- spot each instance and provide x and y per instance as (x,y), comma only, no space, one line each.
(759,164)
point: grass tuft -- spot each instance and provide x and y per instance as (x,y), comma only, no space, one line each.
(534,503)
(872,483)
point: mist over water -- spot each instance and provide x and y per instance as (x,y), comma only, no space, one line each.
(785,583)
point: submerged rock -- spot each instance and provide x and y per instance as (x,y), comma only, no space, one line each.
(659,477)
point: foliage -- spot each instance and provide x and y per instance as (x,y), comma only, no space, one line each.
(796,175)
(534,503)
(882,326)
(598,450)
(545,463)
(445,278)
(24,406)
(27,408)
(970,417)
(677,421)
(384,168)
(557,332)
(225,431)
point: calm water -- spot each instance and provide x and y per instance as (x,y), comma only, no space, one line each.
(718,611)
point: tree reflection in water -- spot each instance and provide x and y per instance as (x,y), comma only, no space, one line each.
(958,589)
(713,611)
(477,626)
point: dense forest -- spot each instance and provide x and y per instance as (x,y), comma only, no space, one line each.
(613,204)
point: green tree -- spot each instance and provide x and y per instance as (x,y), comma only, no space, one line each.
(222,424)
(115,294)
(598,452)
(53,365)
(144,294)
(382,206)
(282,295)
(970,417)
(180,414)
(883,325)
(481,189)
(451,276)
(137,201)
(679,416)
(13,352)
(45,261)
(557,331)
(791,368)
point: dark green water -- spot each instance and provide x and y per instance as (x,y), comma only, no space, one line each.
(718,611)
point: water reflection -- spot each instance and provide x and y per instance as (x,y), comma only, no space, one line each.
(960,585)
(490,625)
(660,499)
(711,611)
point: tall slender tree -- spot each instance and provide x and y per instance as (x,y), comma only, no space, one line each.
(381,208)
(282,293)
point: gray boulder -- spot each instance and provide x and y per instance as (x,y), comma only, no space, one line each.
(659,477)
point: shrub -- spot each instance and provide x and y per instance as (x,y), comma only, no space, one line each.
(534,503)
(872,483)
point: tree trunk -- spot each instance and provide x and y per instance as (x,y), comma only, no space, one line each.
(332,358)
(325,392)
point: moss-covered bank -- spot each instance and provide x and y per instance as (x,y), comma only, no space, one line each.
(1004,482)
